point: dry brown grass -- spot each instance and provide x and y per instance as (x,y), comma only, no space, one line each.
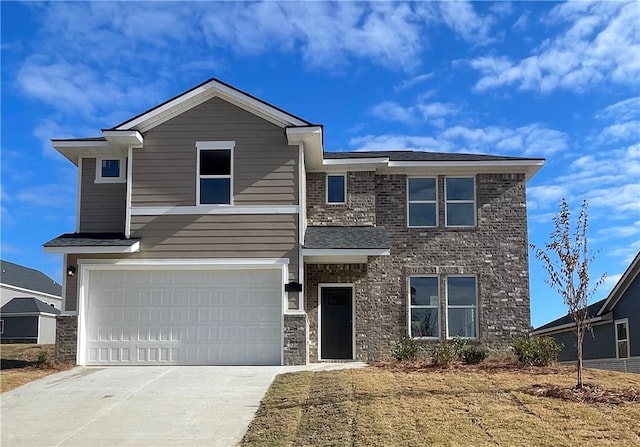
(19,365)
(456,407)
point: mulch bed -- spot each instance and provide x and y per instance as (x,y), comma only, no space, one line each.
(486,366)
(589,393)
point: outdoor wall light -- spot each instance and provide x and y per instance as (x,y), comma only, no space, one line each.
(293,287)
(71,271)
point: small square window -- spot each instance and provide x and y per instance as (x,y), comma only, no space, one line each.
(336,188)
(110,170)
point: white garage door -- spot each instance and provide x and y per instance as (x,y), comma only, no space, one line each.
(184,317)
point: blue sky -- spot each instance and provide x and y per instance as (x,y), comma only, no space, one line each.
(539,79)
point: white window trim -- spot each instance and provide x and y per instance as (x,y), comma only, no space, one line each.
(1,326)
(410,306)
(615,328)
(422,201)
(121,177)
(474,201)
(447,307)
(212,146)
(326,188)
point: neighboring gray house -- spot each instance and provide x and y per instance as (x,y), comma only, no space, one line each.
(28,320)
(614,341)
(20,281)
(215,229)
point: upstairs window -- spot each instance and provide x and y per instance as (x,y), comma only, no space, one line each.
(622,339)
(460,203)
(336,189)
(110,170)
(422,202)
(462,307)
(215,172)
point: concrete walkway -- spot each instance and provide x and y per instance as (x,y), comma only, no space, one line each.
(139,406)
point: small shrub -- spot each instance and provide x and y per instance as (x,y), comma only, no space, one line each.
(536,351)
(43,358)
(443,354)
(405,350)
(458,345)
(473,354)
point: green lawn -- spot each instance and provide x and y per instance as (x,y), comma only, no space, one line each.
(381,407)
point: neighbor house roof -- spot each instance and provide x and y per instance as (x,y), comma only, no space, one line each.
(27,305)
(92,243)
(328,237)
(600,310)
(27,278)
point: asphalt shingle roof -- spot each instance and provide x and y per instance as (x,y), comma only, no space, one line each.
(592,309)
(346,238)
(28,278)
(91,240)
(420,156)
(27,305)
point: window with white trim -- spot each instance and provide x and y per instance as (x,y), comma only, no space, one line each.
(460,202)
(422,202)
(1,326)
(336,189)
(622,339)
(110,170)
(424,307)
(215,172)
(462,307)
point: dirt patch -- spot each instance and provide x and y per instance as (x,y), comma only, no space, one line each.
(22,363)
(589,393)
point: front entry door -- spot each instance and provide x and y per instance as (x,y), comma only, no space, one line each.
(336,319)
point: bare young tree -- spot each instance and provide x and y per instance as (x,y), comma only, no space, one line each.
(566,259)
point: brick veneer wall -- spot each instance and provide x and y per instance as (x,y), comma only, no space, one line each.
(496,252)
(66,338)
(360,206)
(295,339)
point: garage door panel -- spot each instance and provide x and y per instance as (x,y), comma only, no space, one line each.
(198,317)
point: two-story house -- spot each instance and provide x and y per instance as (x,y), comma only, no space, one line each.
(214,229)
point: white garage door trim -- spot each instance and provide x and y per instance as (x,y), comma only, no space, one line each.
(88,265)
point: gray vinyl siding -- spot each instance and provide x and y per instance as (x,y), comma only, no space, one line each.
(102,205)
(20,328)
(629,307)
(265,166)
(206,237)
(598,344)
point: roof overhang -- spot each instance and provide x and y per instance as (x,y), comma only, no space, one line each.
(79,243)
(340,255)
(112,143)
(123,139)
(595,321)
(27,314)
(311,137)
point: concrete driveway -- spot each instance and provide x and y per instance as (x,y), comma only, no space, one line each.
(138,406)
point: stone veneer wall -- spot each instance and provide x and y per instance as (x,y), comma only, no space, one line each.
(360,208)
(66,338)
(295,339)
(496,252)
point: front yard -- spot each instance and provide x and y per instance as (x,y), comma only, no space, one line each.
(386,407)
(24,363)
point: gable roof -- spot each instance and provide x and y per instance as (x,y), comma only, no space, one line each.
(27,305)
(200,93)
(622,285)
(592,310)
(27,278)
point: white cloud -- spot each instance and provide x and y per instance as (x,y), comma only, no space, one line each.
(465,22)
(599,45)
(421,111)
(533,140)
(522,23)
(621,131)
(626,110)
(539,196)
(408,83)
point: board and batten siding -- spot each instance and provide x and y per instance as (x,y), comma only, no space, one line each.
(265,166)
(102,205)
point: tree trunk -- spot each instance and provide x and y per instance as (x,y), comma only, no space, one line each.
(580,340)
